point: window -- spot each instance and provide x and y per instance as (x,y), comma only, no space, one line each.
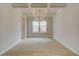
(39,26)
(35,26)
(43,26)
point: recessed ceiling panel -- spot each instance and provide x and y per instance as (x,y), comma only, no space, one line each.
(52,11)
(39,5)
(20,5)
(26,11)
(57,5)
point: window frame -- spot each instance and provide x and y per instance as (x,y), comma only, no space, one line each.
(39,26)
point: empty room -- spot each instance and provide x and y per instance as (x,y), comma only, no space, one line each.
(39,29)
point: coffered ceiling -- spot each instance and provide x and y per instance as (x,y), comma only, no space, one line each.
(39,9)
(38,5)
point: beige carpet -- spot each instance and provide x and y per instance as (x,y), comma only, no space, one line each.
(39,47)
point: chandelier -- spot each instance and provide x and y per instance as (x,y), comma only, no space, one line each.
(39,16)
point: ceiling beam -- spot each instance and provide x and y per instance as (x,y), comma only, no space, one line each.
(58,5)
(48,6)
(39,5)
(29,6)
(19,5)
(38,15)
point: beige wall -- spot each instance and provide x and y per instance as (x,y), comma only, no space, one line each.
(66,27)
(23,27)
(10,25)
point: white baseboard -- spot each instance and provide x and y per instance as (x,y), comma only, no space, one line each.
(10,47)
(66,46)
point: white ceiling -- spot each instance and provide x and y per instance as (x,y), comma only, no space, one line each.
(43,11)
(39,9)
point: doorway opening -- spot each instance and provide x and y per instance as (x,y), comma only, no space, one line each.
(39,28)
